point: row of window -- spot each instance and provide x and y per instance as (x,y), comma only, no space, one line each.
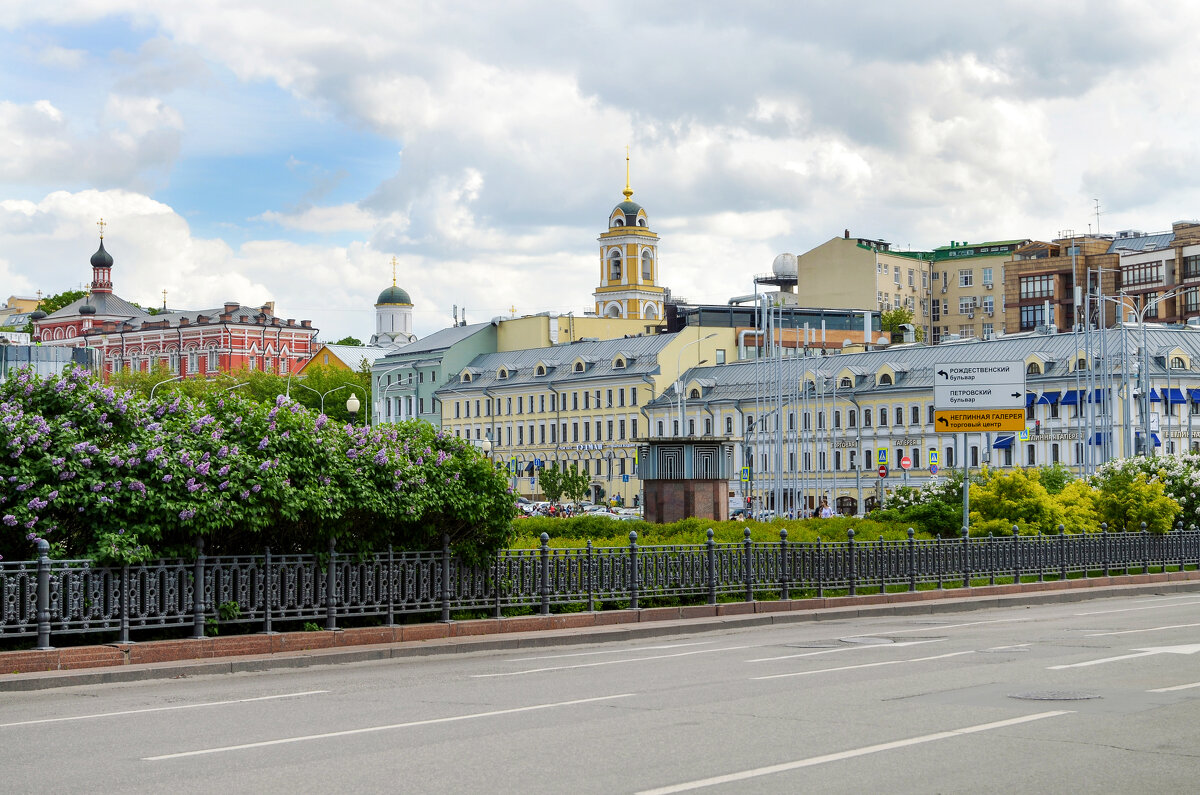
(556,433)
(539,404)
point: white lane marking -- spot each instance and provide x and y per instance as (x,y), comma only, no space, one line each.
(849,648)
(1134,631)
(1176,687)
(851,754)
(388,727)
(863,665)
(610,662)
(1158,606)
(610,651)
(163,709)
(1189,649)
(940,627)
(1011,646)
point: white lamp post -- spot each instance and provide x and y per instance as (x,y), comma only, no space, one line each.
(352,406)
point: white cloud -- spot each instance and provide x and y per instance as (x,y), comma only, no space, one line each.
(341,218)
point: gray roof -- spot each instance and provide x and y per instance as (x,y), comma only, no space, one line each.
(641,354)
(354,356)
(741,380)
(437,341)
(1142,242)
(107,305)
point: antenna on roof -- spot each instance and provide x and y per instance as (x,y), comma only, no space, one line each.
(1098,213)
(456,314)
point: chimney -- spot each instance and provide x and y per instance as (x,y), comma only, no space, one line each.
(291,321)
(225,317)
(268,308)
(183,321)
(230,306)
(305,324)
(846,234)
(243,318)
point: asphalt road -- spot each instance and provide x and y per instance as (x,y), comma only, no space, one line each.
(1096,696)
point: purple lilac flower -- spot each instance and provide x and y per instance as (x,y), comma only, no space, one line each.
(256,488)
(381,457)
(245,495)
(192,485)
(264,466)
(53,495)
(10,520)
(166,478)
(223,471)
(23,486)
(263,444)
(224,485)
(138,486)
(186,514)
(224,451)
(203,468)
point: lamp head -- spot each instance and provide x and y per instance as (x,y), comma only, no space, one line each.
(352,403)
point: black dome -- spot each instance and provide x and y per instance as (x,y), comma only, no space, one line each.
(87,309)
(102,259)
(37,314)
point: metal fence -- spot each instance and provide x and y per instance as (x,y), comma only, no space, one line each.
(45,597)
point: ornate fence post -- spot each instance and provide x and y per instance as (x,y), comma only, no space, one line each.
(123,599)
(912,560)
(43,595)
(445,578)
(1145,550)
(1062,552)
(991,556)
(820,569)
(331,587)
(591,584)
(748,547)
(390,576)
(1016,555)
(499,582)
(783,564)
(966,557)
(544,574)
(850,561)
(1178,541)
(267,591)
(711,549)
(197,593)
(633,571)
(1104,547)
(1041,564)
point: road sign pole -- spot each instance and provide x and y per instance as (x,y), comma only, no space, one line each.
(966,522)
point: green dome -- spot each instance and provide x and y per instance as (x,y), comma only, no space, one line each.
(630,210)
(394,295)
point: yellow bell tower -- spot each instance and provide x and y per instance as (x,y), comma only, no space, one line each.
(629,263)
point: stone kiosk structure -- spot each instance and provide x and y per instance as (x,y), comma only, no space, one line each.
(684,477)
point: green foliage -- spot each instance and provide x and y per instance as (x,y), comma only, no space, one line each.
(935,507)
(551,481)
(1077,500)
(571,481)
(1127,498)
(1013,497)
(349,341)
(1055,477)
(105,473)
(891,320)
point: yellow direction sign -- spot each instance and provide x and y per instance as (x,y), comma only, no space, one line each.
(978,420)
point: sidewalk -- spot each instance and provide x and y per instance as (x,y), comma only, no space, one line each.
(129,662)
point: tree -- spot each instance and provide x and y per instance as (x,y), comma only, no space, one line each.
(576,483)
(349,341)
(1126,500)
(551,480)
(1013,498)
(54,303)
(892,320)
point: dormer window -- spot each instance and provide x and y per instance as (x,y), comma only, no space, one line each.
(502,373)
(845,383)
(578,367)
(1177,363)
(541,370)
(466,378)
(618,363)
(885,379)
(695,395)
(1033,369)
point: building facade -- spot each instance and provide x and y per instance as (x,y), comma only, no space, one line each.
(837,418)
(188,343)
(629,278)
(577,403)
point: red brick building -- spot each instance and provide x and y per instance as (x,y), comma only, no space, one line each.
(187,342)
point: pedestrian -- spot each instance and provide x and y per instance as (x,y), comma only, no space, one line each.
(826,511)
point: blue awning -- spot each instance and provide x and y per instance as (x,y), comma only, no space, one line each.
(1049,397)
(1030,398)
(1100,437)
(1153,436)
(1003,442)
(1097,396)
(1070,397)
(1155,397)
(1174,395)
(1194,394)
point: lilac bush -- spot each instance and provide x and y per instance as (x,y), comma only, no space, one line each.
(105,473)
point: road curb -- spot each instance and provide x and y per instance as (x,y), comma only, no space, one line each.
(630,629)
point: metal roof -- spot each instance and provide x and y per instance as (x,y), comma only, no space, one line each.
(354,356)
(743,380)
(1142,242)
(437,341)
(640,354)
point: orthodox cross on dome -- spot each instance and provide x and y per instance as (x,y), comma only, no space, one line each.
(628,192)
(512,310)
(393,270)
(101,224)
(164,299)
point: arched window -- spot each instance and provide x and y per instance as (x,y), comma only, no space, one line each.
(1177,363)
(579,367)
(618,220)
(1081,364)
(845,383)
(1033,369)
(660,427)
(641,222)
(729,426)
(540,370)
(614,311)
(647,265)
(614,266)
(885,380)
(749,422)
(695,395)
(651,313)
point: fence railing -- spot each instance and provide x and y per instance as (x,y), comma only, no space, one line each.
(45,597)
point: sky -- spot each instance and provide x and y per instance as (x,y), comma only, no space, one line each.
(270,151)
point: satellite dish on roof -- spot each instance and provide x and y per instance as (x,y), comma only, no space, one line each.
(785,266)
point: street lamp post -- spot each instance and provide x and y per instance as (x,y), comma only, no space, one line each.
(164,381)
(679,382)
(328,392)
(352,406)
(1147,439)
